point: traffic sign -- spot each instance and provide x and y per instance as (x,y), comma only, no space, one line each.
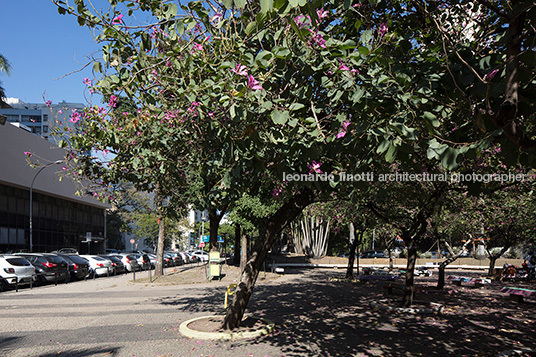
(205,239)
(132,241)
(202,244)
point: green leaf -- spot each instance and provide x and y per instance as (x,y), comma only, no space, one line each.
(252,26)
(240,3)
(227,3)
(391,152)
(382,147)
(449,159)
(296,106)
(432,119)
(266,5)
(280,118)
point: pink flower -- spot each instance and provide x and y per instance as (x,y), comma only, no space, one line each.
(315,167)
(197,47)
(75,117)
(321,14)
(87,81)
(318,39)
(48,103)
(490,75)
(342,133)
(383,29)
(240,70)
(113,101)
(253,83)
(118,19)
(343,67)
(216,17)
(27,153)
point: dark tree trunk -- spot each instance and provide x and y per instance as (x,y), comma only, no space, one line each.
(274,224)
(214,224)
(409,289)
(236,255)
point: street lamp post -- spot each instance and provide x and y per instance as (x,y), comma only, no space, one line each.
(31,199)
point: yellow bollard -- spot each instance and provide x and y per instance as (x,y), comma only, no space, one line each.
(229,292)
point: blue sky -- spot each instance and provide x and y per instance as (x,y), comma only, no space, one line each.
(42,45)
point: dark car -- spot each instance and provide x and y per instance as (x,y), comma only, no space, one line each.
(117,264)
(373,254)
(78,266)
(48,267)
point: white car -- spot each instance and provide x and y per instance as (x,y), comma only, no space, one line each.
(129,261)
(99,265)
(14,268)
(202,255)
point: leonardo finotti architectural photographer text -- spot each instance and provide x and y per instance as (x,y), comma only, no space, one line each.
(409,177)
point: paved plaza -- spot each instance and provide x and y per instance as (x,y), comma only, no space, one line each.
(314,317)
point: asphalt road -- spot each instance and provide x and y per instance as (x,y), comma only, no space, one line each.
(112,317)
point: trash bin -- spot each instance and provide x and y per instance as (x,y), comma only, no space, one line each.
(214,265)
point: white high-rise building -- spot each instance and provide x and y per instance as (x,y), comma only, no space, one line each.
(42,118)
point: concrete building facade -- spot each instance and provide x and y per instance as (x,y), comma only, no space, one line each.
(60,218)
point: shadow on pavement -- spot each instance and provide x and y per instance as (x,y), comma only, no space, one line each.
(316,317)
(85,352)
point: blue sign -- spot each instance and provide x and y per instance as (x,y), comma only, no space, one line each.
(220,239)
(205,239)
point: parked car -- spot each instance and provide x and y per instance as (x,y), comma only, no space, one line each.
(374,254)
(185,257)
(99,266)
(78,266)
(201,255)
(15,268)
(117,265)
(192,258)
(143,261)
(48,267)
(177,258)
(129,261)
(152,259)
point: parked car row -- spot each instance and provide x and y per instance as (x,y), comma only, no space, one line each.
(63,266)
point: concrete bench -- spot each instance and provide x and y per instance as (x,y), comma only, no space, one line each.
(518,294)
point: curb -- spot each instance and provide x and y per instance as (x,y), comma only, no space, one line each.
(203,335)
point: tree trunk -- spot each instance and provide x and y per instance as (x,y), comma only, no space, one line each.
(351,257)
(236,255)
(214,224)
(409,290)
(243,251)
(274,224)
(493,259)
(159,266)
(453,257)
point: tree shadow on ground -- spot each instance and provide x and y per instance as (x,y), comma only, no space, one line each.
(114,351)
(6,342)
(317,317)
